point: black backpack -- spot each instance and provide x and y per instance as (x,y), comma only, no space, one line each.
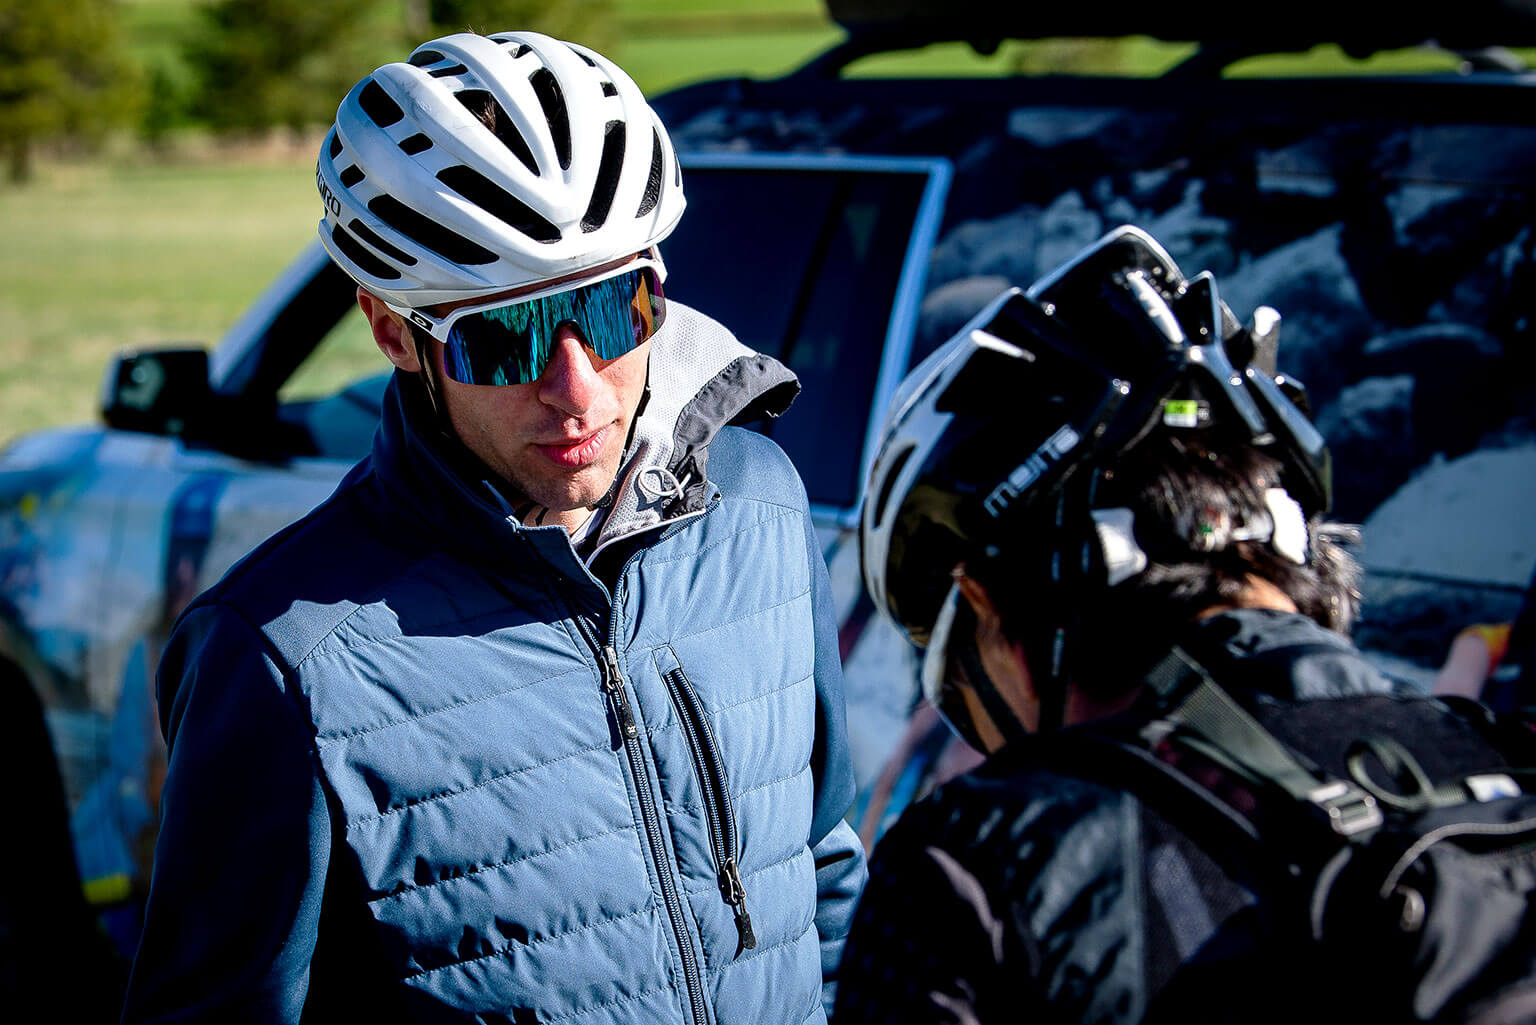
(1389,839)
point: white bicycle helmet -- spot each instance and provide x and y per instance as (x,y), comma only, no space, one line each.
(425,204)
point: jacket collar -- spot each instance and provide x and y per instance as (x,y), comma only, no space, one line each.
(1282,654)
(700,379)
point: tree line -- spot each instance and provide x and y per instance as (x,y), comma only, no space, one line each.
(71,70)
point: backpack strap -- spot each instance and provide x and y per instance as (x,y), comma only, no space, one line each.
(1199,714)
(1187,710)
(1116,758)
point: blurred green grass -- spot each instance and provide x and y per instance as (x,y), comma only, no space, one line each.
(106,255)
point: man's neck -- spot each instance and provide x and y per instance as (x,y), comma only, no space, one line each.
(573,520)
(1257,593)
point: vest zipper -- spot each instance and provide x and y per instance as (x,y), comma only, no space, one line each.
(629,730)
(718,812)
(613,684)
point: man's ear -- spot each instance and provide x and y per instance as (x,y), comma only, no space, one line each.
(390,332)
(988,621)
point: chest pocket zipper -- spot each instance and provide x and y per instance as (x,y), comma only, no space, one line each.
(718,812)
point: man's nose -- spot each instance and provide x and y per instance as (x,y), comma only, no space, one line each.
(570,380)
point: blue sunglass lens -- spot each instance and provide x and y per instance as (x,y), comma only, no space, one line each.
(512,344)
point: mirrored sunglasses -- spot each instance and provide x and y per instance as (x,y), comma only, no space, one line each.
(502,343)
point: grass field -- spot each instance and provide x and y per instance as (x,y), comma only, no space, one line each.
(105,255)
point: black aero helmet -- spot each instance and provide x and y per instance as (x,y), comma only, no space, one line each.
(995,442)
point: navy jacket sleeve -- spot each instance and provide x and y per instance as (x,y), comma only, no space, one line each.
(840,862)
(927,945)
(234,903)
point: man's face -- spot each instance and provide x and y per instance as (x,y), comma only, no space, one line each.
(559,439)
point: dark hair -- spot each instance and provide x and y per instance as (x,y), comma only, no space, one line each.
(1188,494)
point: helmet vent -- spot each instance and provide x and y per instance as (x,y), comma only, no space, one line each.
(653,180)
(366,261)
(992,380)
(522,51)
(351,176)
(378,106)
(589,60)
(609,89)
(371,237)
(607,177)
(493,199)
(484,106)
(428,57)
(547,89)
(415,144)
(335,145)
(428,232)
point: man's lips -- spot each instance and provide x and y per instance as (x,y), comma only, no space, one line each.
(576,452)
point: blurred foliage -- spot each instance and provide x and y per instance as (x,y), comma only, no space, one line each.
(168,71)
(589,21)
(62,73)
(263,64)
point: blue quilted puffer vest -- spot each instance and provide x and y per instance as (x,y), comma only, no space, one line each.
(514,793)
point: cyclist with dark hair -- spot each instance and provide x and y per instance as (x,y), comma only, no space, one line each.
(539,717)
(1094,473)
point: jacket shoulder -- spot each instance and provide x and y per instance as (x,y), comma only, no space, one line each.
(1015,825)
(304,581)
(748,465)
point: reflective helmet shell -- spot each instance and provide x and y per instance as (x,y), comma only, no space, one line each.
(425,204)
(915,428)
(992,441)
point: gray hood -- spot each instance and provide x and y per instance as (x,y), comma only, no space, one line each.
(701,379)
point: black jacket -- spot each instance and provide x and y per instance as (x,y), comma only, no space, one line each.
(1018,893)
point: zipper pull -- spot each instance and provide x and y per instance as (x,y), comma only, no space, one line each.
(613,683)
(736,896)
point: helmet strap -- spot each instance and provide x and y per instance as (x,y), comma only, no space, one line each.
(464,462)
(1070,583)
(1003,717)
(1051,691)
(428,377)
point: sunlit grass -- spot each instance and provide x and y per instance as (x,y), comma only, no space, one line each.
(658,64)
(101,257)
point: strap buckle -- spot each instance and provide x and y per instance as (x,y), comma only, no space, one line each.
(1350,810)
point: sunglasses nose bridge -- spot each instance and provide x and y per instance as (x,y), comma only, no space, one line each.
(570,379)
(513,343)
(570,328)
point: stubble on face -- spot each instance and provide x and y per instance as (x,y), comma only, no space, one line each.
(558,440)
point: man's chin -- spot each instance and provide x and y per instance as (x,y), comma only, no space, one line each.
(583,489)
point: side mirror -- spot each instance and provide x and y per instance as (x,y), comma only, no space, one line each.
(156,391)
